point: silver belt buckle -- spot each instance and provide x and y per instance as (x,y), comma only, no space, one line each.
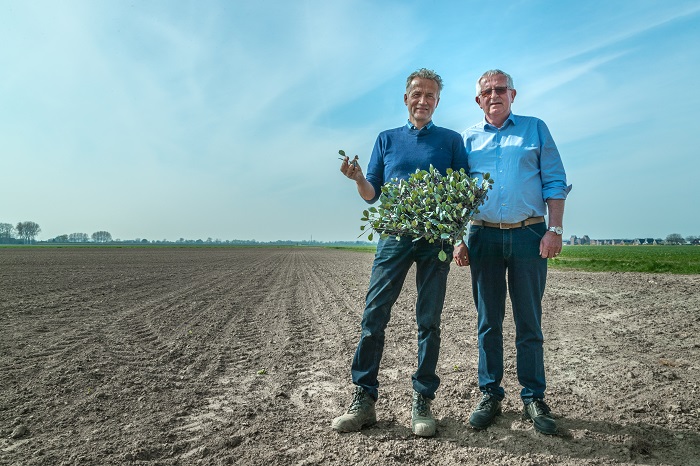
(500,225)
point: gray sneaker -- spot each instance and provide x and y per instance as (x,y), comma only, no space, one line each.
(422,420)
(360,414)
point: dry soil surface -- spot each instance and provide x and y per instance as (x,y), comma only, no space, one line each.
(180,356)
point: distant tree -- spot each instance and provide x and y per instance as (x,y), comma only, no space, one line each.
(78,238)
(675,238)
(102,237)
(692,238)
(7,232)
(61,239)
(27,231)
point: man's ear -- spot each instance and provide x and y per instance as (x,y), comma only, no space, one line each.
(478,101)
(512,98)
(405,99)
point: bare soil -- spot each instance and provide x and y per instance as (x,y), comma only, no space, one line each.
(186,356)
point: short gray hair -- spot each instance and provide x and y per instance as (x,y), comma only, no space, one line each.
(491,73)
(425,74)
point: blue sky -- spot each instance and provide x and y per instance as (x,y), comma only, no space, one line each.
(222,119)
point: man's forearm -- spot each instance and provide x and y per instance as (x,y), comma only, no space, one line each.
(365,189)
(555,207)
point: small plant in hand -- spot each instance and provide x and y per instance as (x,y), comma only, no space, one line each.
(342,157)
(428,205)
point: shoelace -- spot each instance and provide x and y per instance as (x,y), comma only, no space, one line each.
(541,408)
(487,403)
(357,400)
(421,405)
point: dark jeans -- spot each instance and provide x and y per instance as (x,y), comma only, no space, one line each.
(497,256)
(391,264)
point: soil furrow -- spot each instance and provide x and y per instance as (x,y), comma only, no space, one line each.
(186,356)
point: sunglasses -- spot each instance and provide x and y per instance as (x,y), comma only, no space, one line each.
(499,91)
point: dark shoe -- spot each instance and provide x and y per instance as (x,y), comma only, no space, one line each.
(538,412)
(422,420)
(360,414)
(487,409)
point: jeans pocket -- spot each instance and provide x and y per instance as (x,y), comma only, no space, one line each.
(474,231)
(538,230)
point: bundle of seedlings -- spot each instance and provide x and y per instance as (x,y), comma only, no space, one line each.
(428,205)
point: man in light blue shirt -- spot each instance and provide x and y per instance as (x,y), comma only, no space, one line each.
(509,244)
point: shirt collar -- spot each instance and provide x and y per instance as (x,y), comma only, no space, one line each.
(430,124)
(511,119)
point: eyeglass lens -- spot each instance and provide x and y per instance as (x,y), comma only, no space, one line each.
(499,91)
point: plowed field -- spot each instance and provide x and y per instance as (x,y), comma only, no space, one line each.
(180,356)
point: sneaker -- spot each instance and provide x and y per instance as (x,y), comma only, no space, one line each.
(538,412)
(422,420)
(360,414)
(485,412)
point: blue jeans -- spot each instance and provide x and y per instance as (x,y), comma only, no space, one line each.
(495,256)
(391,264)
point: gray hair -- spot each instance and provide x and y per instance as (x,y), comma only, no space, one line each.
(491,73)
(425,74)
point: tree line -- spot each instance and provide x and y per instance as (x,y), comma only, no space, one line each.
(26,233)
(677,238)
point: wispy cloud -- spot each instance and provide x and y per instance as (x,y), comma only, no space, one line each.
(618,27)
(224,118)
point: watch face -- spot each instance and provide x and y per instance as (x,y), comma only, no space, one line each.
(557,230)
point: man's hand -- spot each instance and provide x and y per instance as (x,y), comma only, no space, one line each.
(550,246)
(461,254)
(351,169)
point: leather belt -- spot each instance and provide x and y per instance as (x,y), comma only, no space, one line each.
(508,226)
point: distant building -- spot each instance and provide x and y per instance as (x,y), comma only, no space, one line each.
(586,240)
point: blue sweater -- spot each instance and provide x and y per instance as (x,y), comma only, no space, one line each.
(399,152)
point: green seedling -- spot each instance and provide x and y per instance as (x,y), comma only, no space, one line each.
(353,161)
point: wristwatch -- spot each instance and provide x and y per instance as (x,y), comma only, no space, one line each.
(556,230)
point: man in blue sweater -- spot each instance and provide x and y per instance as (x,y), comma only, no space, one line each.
(509,244)
(397,154)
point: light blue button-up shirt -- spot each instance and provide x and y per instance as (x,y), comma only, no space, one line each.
(524,163)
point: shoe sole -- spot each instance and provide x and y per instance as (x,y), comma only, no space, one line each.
(366,424)
(526,417)
(544,432)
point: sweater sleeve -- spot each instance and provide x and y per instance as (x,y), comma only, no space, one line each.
(375,169)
